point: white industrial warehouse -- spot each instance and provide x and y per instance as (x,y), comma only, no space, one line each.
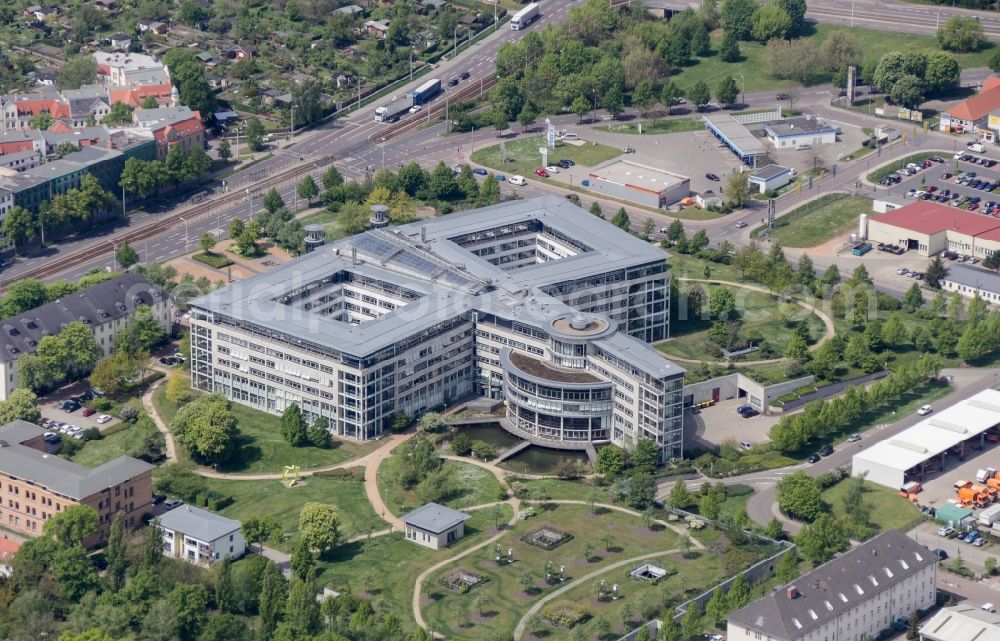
(887,462)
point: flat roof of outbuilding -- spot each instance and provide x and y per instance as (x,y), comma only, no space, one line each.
(736,134)
(937,433)
(633,174)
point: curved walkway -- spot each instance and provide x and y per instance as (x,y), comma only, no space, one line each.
(161,427)
(830,330)
(372,462)
(516,504)
(522,623)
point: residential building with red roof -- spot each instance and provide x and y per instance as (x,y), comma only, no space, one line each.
(973,113)
(8,548)
(172,126)
(928,228)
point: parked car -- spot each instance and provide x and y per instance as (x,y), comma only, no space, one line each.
(103,418)
(453,82)
(743,408)
(826,451)
(741,224)
(971,536)
(712,177)
(541,173)
(854,438)
(925,410)
(500,177)
(980,542)
(518,180)
(552,169)
(479,171)
(750,413)
(415,108)
(813,458)
(71,407)
(89,411)
(464,75)
(940,554)
(946,530)
(746,446)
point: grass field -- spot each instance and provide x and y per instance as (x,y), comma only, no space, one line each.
(523,157)
(759,311)
(392,564)
(272,498)
(320,217)
(753,66)
(472,486)
(505,599)
(557,489)
(888,509)
(261,446)
(816,222)
(122,443)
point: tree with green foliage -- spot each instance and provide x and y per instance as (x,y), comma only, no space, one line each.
(645,455)
(799,496)
(72,525)
(797,349)
(303,560)
(699,94)
(224,150)
(333,179)
(319,433)
(770,21)
(942,73)
(643,97)
(691,621)
(610,460)
(961,33)
(737,17)
(717,608)
(908,91)
(727,91)
(120,113)
(293,426)
(641,489)
(207,428)
(188,75)
(308,189)
(912,627)
(260,529)
(670,94)
(708,506)
(596,209)
(254,134)
(679,496)
(787,567)
(730,49)
(142,178)
(78,71)
(737,188)
(819,541)
(273,201)
(936,272)
(271,603)
(621,219)
(115,553)
(125,256)
(319,526)
(489,192)
(580,107)
(225,596)
(21,405)
(18,226)
(913,299)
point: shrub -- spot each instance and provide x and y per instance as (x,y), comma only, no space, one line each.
(101,404)
(92,434)
(343,474)
(128,413)
(738,489)
(483,450)
(567,470)
(217,261)
(565,615)
(831,478)
(461,445)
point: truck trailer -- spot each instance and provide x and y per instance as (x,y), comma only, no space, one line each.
(392,110)
(524,17)
(426,91)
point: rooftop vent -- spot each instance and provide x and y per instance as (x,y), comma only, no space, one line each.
(578,322)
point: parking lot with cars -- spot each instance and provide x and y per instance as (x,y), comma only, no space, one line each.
(970,182)
(64,414)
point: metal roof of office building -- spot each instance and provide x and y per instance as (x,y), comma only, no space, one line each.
(447,279)
(57,474)
(198,523)
(836,587)
(980,279)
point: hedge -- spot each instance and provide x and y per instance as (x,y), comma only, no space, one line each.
(217,261)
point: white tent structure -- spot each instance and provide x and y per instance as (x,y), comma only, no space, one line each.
(887,461)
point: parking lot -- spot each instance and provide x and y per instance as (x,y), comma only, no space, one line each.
(58,420)
(960,183)
(713,425)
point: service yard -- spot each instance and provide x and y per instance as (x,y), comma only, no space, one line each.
(939,487)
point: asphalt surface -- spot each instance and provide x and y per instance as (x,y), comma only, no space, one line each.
(896,16)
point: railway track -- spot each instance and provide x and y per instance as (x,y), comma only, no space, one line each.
(471,90)
(80,256)
(866,15)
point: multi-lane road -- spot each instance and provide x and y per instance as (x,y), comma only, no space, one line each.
(896,16)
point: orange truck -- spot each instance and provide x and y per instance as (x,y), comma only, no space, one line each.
(970,497)
(910,491)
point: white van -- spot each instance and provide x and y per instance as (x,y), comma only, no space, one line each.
(976,147)
(518,180)
(570,136)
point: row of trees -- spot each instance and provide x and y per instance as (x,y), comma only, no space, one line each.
(29,293)
(298,433)
(822,419)
(145,178)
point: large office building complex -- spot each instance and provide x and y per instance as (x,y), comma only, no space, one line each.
(534,302)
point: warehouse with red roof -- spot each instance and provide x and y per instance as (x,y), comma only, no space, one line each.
(928,228)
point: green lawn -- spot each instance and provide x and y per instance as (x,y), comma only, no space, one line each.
(759,311)
(472,484)
(505,599)
(262,448)
(888,509)
(273,498)
(523,157)
(122,443)
(753,66)
(558,489)
(393,564)
(816,222)
(320,217)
